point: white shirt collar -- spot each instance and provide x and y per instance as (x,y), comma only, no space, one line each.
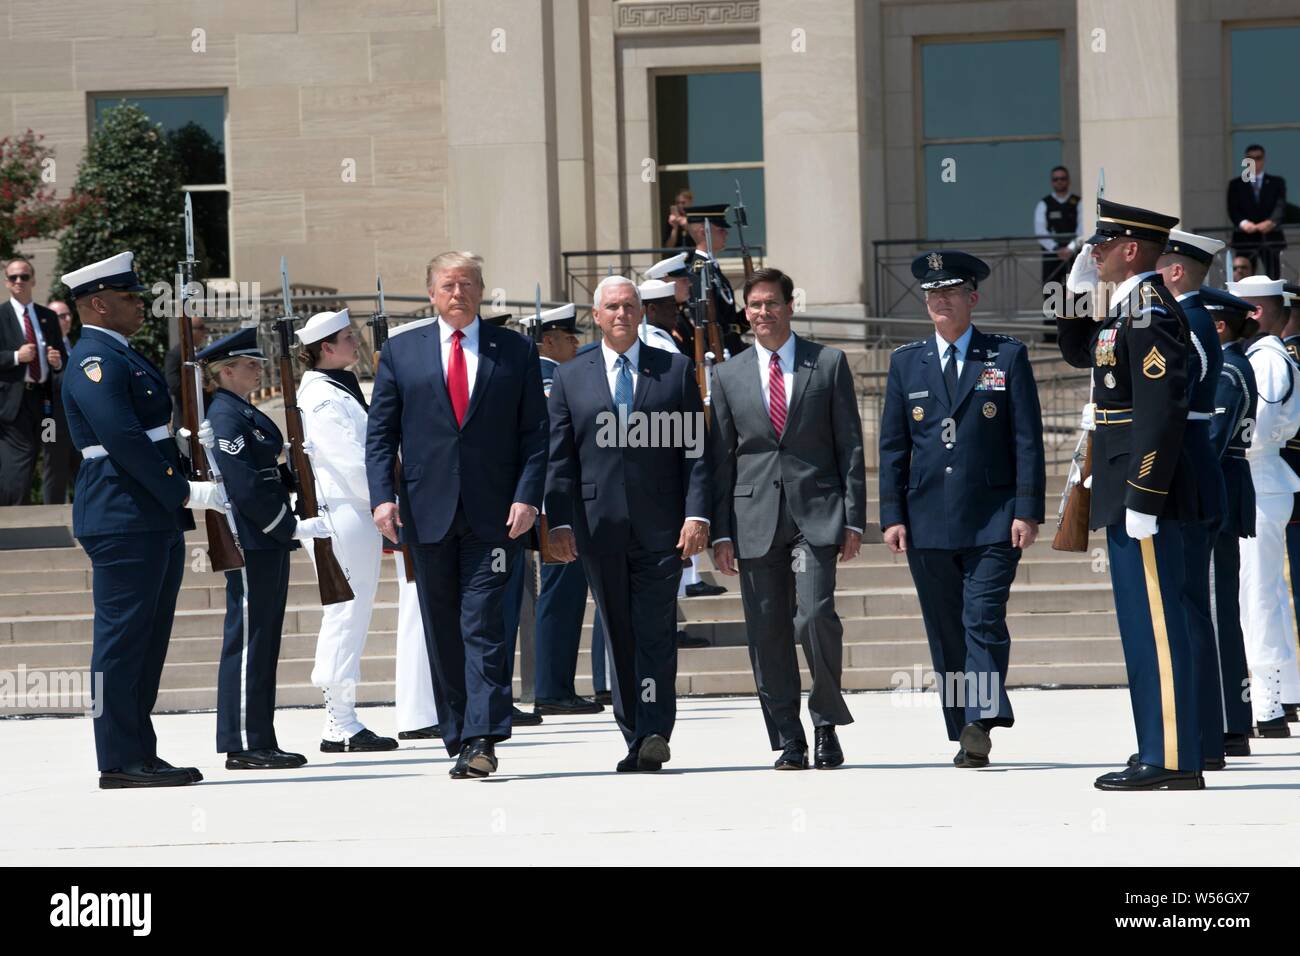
(786,351)
(471,333)
(962,343)
(1187,295)
(109,332)
(633,354)
(1128,285)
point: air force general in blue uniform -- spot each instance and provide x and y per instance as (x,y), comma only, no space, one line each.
(962,480)
(130,517)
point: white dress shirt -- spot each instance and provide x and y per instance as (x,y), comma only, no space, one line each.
(786,352)
(962,343)
(43,365)
(611,363)
(469,345)
(1043,232)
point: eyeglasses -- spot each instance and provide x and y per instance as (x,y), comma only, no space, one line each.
(18,277)
(759,308)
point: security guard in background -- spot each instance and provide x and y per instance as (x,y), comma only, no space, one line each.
(247,450)
(1143,486)
(1187,258)
(730,317)
(962,478)
(1291,455)
(1230,430)
(130,517)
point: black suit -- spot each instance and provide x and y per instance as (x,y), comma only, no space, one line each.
(23,405)
(626,502)
(61,459)
(1243,205)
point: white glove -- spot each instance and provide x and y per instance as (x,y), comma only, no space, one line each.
(1089,421)
(308,528)
(308,448)
(207,437)
(1083,275)
(207,494)
(1140,525)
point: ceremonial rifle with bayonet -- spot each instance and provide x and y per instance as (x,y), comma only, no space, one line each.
(223,545)
(378,336)
(334,587)
(541,527)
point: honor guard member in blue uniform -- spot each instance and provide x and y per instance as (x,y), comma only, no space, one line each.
(130,515)
(247,452)
(1291,455)
(1230,437)
(1143,486)
(962,479)
(1187,258)
(732,323)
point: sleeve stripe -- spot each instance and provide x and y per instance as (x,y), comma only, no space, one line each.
(267,529)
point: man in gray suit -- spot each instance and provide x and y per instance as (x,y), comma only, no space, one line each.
(789,486)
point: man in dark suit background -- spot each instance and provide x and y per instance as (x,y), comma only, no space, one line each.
(462,401)
(789,496)
(632,504)
(1256,205)
(31,351)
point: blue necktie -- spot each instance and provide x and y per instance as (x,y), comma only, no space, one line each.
(623,386)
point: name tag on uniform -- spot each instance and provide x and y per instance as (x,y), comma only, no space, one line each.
(925,393)
(992,380)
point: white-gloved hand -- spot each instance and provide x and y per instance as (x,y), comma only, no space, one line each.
(207,437)
(1087,482)
(1083,275)
(1089,421)
(308,528)
(308,448)
(1140,525)
(207,494)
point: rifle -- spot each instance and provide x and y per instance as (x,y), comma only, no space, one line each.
(223,545)
(742,220)
(542,527)
(334,587)
(378,336)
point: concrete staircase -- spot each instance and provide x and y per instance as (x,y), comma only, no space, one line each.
(1061,617)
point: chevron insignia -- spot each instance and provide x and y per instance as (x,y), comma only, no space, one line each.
(1153,366)
(1148,462)
(231,447)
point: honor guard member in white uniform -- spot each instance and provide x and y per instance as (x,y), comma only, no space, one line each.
(1291,455)
(247,452)
(130,515)
(334,424)
(1266,618)
(1143,485)
(676,269)
(1230,437)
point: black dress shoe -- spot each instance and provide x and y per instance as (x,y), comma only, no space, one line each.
(1215,763)
(566,705)
(1236,745)
(969,761)
(519,718)
(633,763)
(1147,777)
(976,742)
(433,731)
(653,753)
(461,769)
(363,741)
(195,776)
(482,757)
(704,589)
(793,757)
(1291,712)
(826,749)
(605,697)
(1277,727)
(264,759)
(144,775)
(688,640)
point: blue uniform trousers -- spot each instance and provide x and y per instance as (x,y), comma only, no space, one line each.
(1197,605)
(255,600)
(560,608)
(1225,587)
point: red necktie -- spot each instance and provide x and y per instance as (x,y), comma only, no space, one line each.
(776,395)
(29,335)
(457,380)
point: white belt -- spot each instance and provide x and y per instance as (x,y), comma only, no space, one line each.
(1199,416)
(99,451)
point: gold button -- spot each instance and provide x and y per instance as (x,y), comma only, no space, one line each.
(169,471)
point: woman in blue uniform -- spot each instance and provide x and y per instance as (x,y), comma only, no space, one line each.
(246,447)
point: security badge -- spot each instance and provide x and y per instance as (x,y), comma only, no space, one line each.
(1105,352)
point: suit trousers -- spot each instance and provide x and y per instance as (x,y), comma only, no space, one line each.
(59,461)
(20,440)
(789,594)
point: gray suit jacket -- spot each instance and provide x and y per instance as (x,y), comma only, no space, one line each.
(818,459)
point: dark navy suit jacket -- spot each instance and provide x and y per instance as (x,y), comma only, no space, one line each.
(496,457)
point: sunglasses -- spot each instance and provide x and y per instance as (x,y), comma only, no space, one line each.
(19,277)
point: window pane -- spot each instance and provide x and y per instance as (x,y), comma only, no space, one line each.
(1000,88)
(995,190)
(1265,84)
(1281,158)
(709,118)
(712,186)
(195,125)
(212,234)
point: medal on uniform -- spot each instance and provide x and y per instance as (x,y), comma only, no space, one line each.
(1105,352)
(918,413)
(1109,380)
(990,409)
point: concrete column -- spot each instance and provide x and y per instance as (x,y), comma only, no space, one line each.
(812,143)
(1129,104)
(503,193)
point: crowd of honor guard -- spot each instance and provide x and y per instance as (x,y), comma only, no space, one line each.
(477,442)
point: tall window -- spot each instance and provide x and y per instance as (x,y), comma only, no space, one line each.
(195,125)
(1266,101)
(991,132)
(709,131)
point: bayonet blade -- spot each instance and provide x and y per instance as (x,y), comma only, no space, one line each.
(284,287)
(379,283)
(189,229)
(1101,181)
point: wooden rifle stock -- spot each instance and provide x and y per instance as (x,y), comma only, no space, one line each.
(1072,532)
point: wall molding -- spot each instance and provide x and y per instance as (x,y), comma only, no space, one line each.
(637,17)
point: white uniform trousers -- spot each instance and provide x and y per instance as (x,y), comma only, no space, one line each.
(359,549)
(1266,620)
(416,708)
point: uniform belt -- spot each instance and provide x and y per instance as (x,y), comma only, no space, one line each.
(1113,416)
(1199,416)
(1235,452)
(99,451)
(1293,445)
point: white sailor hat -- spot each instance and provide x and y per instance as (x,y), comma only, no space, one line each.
(115,272)
(1201,248)
(563,318)
(667,268)
(653,289)
(323,324)
(1256,287)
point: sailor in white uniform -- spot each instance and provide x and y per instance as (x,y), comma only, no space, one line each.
(1266,620)
(334,422)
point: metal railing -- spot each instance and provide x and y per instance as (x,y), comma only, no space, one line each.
(584,268)
(1221,268)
